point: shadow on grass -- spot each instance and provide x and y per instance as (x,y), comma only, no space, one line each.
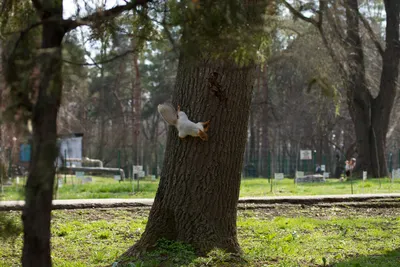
(172,253)
(389,259)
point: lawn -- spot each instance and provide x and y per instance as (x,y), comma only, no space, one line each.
(102,187)
(287,235)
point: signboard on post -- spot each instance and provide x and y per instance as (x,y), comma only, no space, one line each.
(117,177)
(141,174)
(395,174)
(305,154)
(364,175)
(87,180)
(71,148)
(80,175)
(299,174)
(278,176)
(323,168)
(136,169)
(25,153)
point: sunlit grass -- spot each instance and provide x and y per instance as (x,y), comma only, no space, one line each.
(287,187)
(98,237)
(107,187)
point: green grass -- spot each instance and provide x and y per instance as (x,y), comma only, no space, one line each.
(286,187)
(297,237)
(102,187)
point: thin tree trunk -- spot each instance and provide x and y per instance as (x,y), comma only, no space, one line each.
(39,187)
(265,123)
(136,108)
(252,141)
(102,107)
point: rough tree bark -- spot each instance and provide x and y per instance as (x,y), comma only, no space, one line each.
(197,197)
(39,187)
(371,115)
(196,201)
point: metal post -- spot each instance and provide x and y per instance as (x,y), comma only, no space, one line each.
(279,162)
(119,162)
(269,166)
(9,162)
(65,166)
(351,180)
(314,160)
(119,159)
(390,162)
(283,164)
(133,187)
(398,160)
(138,188)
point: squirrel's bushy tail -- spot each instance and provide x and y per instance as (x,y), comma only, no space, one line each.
(168,113)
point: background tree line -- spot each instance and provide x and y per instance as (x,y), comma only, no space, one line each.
(319,75)
(299,97)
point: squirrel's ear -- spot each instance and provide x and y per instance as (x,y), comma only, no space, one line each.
(206,125)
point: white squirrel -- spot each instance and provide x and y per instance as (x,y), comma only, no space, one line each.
(180,120)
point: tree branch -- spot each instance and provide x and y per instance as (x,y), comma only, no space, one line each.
(299,14)
(371,33)
(103,61)
(37,4)
(71,24)
(318,25)
(320,12)
(23,33)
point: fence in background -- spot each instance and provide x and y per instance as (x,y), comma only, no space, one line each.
(281,163)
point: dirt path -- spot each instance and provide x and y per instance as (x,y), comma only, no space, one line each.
(328,201)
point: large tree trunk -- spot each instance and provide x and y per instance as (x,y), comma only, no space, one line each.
(198,193)
(371,116)
(383,103)
(39,187)
(196,201)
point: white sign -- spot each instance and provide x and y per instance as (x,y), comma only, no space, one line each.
(326,174)
(278,176)
(323,168)
(364,175)
(396,174)
(137,169)
(141,174)
(60,183)
(117,177)
(87,180)
(305,154)
(71,147)
(153,177)
(80,175)
(299,174)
